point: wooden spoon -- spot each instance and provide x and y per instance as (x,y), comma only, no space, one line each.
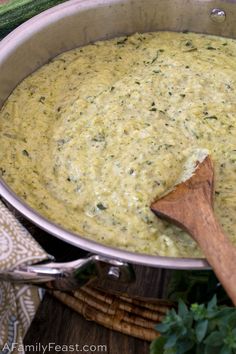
(190,206)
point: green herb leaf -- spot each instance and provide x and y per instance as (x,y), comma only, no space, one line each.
(122,40)
(162,327)
(211,117)
(211,48)
(25,153)
(211,350)
(182,309)
(201,329)
(232,320)
(226,350)
(199,311)
(157,346)
(171,341)
(2,171)
(101,206)
(99,137)
(215,339)
(185,346)
(212,304)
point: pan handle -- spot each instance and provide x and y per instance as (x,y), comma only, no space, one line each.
(70,275)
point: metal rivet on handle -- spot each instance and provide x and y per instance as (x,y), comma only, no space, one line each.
(218,15)
(114,272)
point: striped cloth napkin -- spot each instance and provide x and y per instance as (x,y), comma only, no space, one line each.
(18,303)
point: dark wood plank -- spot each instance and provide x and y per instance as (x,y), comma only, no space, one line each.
(55,323)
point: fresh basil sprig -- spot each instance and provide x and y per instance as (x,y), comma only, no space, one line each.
(199,329)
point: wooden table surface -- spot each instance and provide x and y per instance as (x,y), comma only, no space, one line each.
(56,323)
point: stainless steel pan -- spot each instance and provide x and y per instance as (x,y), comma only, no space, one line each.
(78,22)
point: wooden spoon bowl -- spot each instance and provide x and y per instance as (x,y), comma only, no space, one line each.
(190,206)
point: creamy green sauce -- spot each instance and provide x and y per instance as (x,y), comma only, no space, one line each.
(90,139)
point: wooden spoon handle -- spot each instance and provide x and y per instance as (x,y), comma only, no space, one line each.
(219,251)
